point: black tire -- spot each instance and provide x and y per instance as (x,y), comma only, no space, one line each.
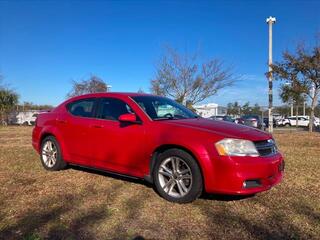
(287,125)
(196,186)
(59,163)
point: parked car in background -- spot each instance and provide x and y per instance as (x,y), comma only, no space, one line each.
(253,121)
(266,122)
(222,118)
(239,121)
(26,118)
(156,139)
(303,121)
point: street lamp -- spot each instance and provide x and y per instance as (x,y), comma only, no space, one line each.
(270,21)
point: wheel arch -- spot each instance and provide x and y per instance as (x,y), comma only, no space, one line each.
(162,148)
(53,132)
(44,135)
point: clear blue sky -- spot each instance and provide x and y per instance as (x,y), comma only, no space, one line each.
(46,44)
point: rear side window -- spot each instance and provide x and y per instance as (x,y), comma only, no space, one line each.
(112,108)
(82,108)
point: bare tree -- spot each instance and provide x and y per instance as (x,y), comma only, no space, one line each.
(140,90)
(184,79)
(93,85)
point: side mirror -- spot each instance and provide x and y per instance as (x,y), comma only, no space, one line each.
(128,117)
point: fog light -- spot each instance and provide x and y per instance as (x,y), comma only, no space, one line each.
(252,183)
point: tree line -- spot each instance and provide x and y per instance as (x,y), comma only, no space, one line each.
(236,109)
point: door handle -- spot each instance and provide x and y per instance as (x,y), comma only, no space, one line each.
(97,126)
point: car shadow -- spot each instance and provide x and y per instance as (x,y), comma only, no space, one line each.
(224,197)
(111,175)
(204,195)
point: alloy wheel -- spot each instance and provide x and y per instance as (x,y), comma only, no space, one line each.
(49,154)
(175,177)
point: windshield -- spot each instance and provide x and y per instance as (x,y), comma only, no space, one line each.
(161,108)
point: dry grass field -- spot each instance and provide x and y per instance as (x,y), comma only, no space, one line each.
(81,204)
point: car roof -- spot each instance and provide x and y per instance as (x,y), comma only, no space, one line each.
(110,94)
(103,94)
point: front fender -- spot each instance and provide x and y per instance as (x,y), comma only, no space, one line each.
(198,150)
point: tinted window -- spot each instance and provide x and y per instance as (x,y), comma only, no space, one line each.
(82,108)
(112,108)
(292,118)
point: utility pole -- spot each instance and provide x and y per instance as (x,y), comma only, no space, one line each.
(270,21)
(109,88)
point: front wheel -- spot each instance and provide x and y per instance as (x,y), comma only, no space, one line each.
(51,157)
(177,176)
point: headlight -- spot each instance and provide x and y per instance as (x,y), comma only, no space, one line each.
(236,147)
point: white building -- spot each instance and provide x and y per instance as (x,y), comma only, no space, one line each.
(207,110)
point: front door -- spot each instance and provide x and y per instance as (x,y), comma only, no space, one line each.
(117,146)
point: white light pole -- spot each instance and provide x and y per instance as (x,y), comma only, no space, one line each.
(109,88)
(270,21)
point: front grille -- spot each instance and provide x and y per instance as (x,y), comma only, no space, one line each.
(266,147)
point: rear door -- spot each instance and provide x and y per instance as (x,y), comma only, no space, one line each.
(75,128)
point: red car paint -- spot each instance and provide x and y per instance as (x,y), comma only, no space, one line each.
(128,149)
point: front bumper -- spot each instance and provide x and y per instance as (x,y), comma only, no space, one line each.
(244,175)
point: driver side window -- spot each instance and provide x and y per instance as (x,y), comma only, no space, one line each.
(112,108)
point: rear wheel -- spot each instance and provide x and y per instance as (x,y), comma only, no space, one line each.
(51,158)
(177,176)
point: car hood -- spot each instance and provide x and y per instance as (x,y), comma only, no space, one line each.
(222,128)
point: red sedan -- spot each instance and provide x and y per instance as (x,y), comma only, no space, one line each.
(159,140)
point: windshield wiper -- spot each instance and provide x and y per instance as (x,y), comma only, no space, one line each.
(173,118)
(166,118)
